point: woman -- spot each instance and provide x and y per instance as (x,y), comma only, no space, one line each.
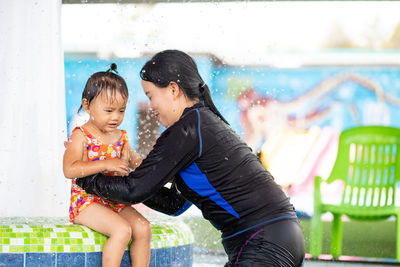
(209,166)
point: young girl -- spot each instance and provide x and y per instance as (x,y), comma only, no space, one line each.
(98,146)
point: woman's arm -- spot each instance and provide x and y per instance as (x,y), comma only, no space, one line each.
(168,201)
(75,164)
(175,149)
(130,155)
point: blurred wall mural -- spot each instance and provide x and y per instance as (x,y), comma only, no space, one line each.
(290,116)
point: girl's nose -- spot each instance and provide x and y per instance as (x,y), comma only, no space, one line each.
(116,115)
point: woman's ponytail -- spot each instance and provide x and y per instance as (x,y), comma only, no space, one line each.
(208,102)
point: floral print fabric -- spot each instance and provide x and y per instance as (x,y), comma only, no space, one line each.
(95,151)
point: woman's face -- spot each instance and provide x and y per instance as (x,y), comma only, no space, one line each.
(162,102)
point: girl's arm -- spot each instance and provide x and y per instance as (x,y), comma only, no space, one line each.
(75,164)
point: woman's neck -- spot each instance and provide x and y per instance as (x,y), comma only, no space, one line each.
(184,105)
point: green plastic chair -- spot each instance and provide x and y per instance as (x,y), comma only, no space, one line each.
(368,162)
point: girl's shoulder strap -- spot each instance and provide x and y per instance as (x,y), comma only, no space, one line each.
(84,131)
(124,136)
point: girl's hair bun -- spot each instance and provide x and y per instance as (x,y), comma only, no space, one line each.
(113,67)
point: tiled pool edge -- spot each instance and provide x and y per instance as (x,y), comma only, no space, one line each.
(34,244)
(179,256)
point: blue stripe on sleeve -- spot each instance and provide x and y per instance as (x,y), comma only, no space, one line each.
(185,206)
(198,182)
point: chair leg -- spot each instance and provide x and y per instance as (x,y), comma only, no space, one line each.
(316,235)
(398,238)
(336,243)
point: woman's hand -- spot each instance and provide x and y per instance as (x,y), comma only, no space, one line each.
(130,155)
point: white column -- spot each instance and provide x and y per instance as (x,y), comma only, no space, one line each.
(32,110)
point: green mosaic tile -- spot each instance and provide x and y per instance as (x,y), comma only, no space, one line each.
(155,238)
(31,237)
(156,231)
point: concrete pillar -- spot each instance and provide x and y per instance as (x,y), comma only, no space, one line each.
(32,110)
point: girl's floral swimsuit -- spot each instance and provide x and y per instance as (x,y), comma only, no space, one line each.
(95,151)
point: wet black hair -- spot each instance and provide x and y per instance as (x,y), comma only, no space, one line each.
(176,66)
(104,81)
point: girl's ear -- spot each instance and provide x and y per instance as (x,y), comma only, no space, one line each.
(85,105)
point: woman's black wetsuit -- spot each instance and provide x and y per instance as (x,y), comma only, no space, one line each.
(215,170)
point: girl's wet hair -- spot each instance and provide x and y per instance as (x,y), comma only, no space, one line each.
(104,81)
(176,66)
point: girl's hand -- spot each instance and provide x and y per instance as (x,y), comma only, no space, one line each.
(120,166)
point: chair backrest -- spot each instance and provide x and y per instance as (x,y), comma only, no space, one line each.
(368,161)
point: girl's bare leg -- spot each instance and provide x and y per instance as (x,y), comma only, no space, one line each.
(141,233)
(105,221)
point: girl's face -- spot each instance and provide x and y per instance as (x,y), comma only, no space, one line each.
(106,112)
(163,102)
